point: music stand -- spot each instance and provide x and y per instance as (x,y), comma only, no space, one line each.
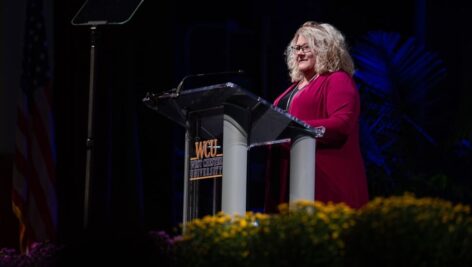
(93,14)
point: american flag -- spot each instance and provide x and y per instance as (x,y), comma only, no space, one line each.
(34,199)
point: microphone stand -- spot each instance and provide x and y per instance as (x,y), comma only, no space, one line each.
(93,14)
(89,140)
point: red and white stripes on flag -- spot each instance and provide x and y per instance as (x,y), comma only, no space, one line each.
(34,198)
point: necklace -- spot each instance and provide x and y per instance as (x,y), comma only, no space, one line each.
(292,93)
(309,81)
(296,89)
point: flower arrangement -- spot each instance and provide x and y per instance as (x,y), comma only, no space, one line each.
(303,234)
(43,254)
(395,231)
(409,231)
(220,238)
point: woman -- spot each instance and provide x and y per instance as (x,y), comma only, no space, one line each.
(323,93)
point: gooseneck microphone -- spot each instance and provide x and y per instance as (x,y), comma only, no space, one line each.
(191,76)
(151,99)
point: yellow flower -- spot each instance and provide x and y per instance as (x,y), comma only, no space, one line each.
(283,208)
(322,217)
(335,235)
(261,216)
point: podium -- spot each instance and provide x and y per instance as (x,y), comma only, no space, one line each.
(222,122)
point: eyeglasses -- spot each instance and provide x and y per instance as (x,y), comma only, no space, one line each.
(299,48)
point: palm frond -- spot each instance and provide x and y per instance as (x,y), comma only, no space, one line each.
(395,76)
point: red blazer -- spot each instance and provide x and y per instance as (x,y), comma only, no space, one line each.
(332,101)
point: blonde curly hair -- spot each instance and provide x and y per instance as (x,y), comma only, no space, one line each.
(329,47)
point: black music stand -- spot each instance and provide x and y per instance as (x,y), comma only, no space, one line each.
(93,14)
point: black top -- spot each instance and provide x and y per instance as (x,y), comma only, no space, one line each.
(284,102)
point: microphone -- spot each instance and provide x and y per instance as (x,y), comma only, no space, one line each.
(182,82)
(151,99)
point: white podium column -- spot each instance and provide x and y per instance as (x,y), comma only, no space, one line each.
(234,167)
(302,169)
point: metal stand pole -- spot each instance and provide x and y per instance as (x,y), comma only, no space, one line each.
(89,141)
